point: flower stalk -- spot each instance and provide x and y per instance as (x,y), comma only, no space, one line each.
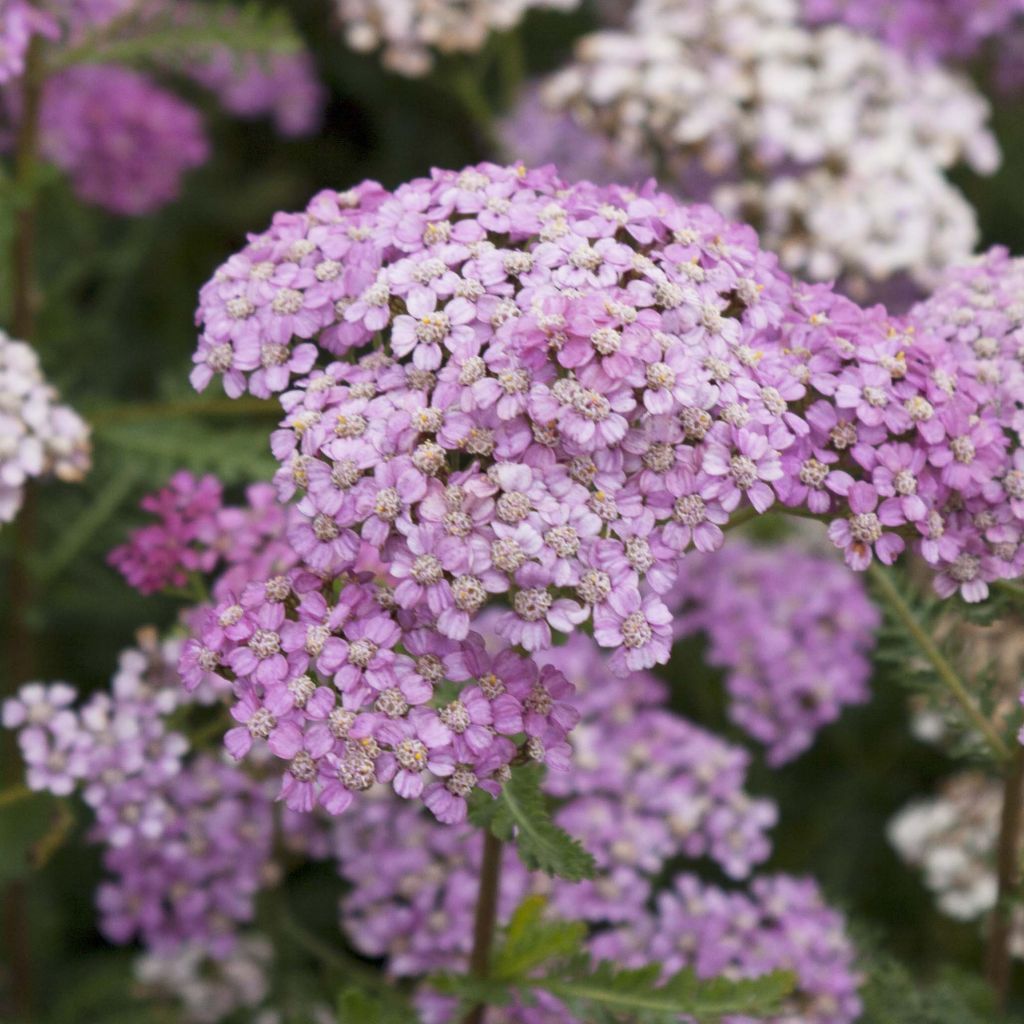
(485,919)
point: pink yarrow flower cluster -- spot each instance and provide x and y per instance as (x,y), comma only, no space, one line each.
(638,797)
(791,628)
(535,398)
(187,842)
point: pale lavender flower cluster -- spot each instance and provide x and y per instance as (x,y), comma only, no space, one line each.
(187,843)
(793,631)
(282,86)
(934,29)
(411,33)
(684,785)
(38,436)
(834,145)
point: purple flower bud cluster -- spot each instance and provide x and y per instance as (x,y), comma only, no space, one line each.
(124,141)
(38,436)
(791,629)
(197,534)
(781,923)
(187,843)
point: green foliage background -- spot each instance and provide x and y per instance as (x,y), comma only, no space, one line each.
(116,327)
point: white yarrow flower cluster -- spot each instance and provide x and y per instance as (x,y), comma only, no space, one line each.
(411,32)
(835,145)
(952,839)
(38,436)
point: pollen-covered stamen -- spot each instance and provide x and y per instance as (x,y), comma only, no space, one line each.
(220,357)
(339,721)
(462,781)
(689,509)
(316,636)
(468,593)
(455,716)
(539,701)
(636,630)
(659,457)
(287,302)
(743,470)
(427,570)
(813,473)
(904,482)
(388,505)
(532,604)
(261,724)
(638,554)
(430,667)
(239,308)
(392,703)
(356,771)
(345,474)
(265,643)
(594,586)
(361,652)
(843,435)
(491,686)
(411,754)
(963,449)
(273,355)
(303,767)
(513,507)
(563,540)
(865,528)
(324,527)
(660,376)
(301,688)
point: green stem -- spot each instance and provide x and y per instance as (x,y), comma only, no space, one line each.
(997,965)
(139,412)
(485,919)
(943,668)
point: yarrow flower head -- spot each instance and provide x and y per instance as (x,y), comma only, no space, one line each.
(549,393)
(788,127)
(412,33)
(39,437)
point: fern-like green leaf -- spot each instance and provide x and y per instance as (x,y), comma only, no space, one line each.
(521,814)
(530,941)
(610,994)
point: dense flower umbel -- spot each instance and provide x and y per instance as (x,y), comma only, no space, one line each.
(792,630)
(38,436)
(187,842)
(826,139)
(411,32)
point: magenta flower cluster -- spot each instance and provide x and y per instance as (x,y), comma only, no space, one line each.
(187,843)
(792,631)
(124,140)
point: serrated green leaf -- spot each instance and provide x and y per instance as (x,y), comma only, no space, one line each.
(520,813)
(608,993)
(530,940)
